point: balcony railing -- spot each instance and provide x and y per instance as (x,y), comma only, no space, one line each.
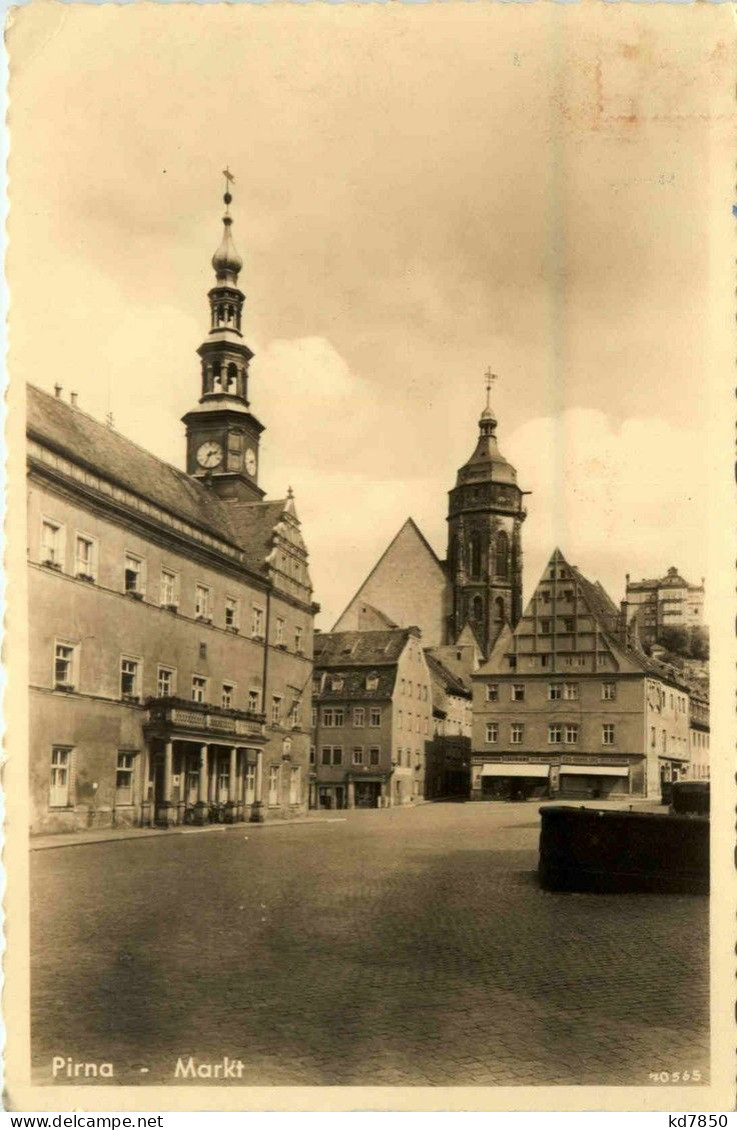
(181,714)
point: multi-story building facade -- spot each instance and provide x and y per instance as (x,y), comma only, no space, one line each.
(664,602)
(568,706)
(448,755)
(699,769)
(171,614)
(372,716)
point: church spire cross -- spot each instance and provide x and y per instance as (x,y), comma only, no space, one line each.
(490,378)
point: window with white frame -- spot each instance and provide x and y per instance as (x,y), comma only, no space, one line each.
(492,692)
(231,613)
(273,792)
(607,734)
(571,733)
(124,777)
(276,709)
(570,691)
(295,785)
(375,716)
(85,557)
(279,631)
(203,602)
(164,682)
(359,716)
(299,639)
(555,733)
(227,697)
(133,578)
(372,682)
(130,678)
(608,691)
(516,733)
(169,589)
(60,780)
(65,665)
(555,691)
(492,732)
(332,755)
(199,688)
(257,622)
(52,543)
(336,683)
(295,716)
(374,755)
(358,755)
(518,692)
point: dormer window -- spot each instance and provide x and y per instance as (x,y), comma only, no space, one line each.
(372,682)
(336,683)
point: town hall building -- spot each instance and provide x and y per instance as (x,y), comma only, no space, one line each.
(170,612)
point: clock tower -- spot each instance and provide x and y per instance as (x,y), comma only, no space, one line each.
(222,432)
(484,561)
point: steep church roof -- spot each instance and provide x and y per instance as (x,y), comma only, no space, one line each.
(407,585)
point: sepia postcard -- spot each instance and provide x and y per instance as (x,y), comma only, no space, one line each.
(369,642)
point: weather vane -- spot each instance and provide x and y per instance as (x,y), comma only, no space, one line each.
(229,178)
(490,378)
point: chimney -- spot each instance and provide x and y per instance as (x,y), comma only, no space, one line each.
(57,390)
(73,399)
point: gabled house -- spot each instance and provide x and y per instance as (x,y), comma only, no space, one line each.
(569,705)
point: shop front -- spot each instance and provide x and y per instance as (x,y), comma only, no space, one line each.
(514,781)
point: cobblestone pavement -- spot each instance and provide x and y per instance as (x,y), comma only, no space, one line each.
(398,947)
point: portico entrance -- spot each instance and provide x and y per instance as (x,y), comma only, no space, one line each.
(198,780)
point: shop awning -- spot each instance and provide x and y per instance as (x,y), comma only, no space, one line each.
(596,770)
(515,769)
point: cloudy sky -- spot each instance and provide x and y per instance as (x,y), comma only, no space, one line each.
(421,191)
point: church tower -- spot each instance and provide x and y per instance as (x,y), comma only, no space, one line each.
(222,433)
(484,563)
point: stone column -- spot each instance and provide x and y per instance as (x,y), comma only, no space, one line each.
(351,794)
(166,812)
(214,777)
(145,774)
(201,812)
(230,811)
(257,810)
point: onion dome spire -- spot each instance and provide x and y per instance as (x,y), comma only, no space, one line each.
(226,261)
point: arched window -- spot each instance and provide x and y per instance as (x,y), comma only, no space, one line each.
(502,554)
(216,377)
(499,616)
(474,555)
(477,609)
(232,377)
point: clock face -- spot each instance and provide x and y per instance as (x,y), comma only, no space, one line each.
(251,461)
(209,454)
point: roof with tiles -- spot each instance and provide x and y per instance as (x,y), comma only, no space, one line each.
(85,441)
(356,685)
(361,649)
(445,679)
